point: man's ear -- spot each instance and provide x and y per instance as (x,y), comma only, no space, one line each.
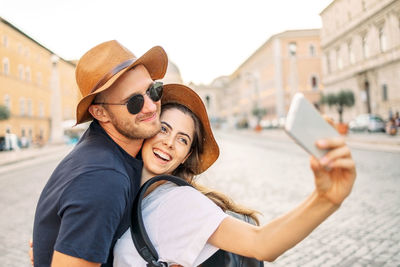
(99,113)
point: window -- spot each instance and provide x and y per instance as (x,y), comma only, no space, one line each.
(363,5)
(365,48)
(21,106)
(41,110)
(382,40)
(339,62)
(19,48)
(28,74)
(7,102)
(311,50)
(21,72)
(352,58)
(328,63)
(208,101)
(384,92)
(292,49)
(314,83)
(29,107)
(5,41)
(6,66)
(39,78)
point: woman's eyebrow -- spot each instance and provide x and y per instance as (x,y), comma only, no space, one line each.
(170,127)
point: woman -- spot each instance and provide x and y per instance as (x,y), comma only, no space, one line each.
(186,228)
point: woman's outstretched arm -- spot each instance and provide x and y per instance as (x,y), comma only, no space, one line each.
(334,178)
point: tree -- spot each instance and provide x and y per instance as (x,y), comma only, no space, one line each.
(344,98)
(4,113)
(259,113)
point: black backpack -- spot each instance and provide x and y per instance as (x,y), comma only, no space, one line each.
(146,249)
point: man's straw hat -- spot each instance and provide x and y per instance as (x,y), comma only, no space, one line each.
(102,65)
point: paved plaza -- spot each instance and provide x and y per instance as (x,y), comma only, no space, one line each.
(272,175)
(267,173)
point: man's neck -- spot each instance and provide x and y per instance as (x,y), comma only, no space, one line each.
(131,146)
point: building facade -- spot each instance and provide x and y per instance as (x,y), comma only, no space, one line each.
(360,42)
(286,63)
(36,86)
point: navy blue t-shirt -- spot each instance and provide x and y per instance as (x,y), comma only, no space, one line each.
(85,206)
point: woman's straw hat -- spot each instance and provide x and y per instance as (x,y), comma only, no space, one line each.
(181,94)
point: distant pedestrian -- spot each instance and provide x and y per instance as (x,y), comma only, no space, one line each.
(391,126)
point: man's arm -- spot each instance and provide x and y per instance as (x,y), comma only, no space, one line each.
(63,260)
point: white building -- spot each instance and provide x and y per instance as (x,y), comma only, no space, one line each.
(360,41)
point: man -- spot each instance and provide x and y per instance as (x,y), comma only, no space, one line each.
(85,205)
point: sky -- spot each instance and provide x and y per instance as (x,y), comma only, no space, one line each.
(205,39)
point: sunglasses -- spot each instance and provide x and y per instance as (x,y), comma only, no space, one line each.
(136,102)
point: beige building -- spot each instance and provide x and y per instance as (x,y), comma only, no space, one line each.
(36,86)
(360,41)
(286,63)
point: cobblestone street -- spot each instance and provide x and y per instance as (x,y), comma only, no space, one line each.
(271,175)
(274,176)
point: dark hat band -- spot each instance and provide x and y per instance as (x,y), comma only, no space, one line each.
(111,73)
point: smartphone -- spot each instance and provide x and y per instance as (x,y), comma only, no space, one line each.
(305,125)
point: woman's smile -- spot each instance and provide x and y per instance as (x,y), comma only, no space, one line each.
(162,155)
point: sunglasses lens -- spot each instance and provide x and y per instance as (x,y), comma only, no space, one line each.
(135,104)
(155,91)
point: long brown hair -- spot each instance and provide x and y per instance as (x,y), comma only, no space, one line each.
(189,168)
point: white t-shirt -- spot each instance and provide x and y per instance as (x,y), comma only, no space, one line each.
(179,220)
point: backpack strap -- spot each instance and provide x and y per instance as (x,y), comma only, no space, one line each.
(139,235)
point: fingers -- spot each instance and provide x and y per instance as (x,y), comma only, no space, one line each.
(343,163)
(334,154)
(330,143)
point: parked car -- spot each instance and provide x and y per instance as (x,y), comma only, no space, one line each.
(367,122)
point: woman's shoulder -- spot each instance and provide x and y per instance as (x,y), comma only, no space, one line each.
(170,194)
(170,190)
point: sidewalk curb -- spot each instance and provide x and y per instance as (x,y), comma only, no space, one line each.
(367,142)
(12,157)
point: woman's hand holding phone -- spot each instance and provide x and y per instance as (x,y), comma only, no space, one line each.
(335,172)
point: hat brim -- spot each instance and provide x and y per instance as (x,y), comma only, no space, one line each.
(181,94)
(155,61)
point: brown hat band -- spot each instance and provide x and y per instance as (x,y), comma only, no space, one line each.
(111,73)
